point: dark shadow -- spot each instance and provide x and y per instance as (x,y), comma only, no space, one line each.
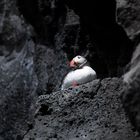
(112,46)
(112,49)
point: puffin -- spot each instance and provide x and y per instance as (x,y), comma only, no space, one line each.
(81,73)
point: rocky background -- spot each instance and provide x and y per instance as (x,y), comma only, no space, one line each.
(37,40)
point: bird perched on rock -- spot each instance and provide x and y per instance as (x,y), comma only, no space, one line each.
(81,73)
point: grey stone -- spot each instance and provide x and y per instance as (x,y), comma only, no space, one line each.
(88,112)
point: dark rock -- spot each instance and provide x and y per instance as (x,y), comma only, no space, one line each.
(44,16)
(131,95)
(128,15)
(24,68)
(97,23)
(17,76)
(35,46)
(90,111)
(50,66)
(111,44)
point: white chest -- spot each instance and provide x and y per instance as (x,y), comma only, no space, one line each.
(79,76)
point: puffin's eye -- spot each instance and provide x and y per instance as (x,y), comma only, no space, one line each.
(79,57)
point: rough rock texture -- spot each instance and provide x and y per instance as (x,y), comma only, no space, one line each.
(88,112)
(24,67)
(55,34)
(131,96)
(28,68)
(18,81)
(38,37)
(129,17)
(50,66)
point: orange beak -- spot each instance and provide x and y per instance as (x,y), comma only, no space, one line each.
(73,64)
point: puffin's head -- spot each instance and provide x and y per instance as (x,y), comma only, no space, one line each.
(78,62)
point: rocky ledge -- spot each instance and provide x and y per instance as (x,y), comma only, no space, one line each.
(89,112)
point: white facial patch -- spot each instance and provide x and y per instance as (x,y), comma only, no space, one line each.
(79,59)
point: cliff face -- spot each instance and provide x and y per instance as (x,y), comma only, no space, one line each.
(132,89)
(94,34)
(130,96)
(17,76)
(37,39)
(128,16)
